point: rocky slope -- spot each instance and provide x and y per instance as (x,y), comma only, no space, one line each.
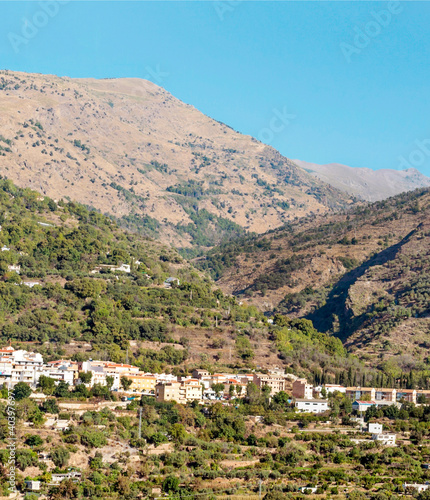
(130,149)
(367,184)
(363,276)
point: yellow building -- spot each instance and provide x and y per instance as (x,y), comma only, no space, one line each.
(142,383)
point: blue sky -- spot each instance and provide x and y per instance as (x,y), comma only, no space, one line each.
(349,79)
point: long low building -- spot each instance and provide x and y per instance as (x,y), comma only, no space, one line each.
(311,405)
(362,406)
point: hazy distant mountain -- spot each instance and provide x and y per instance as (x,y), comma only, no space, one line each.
(370,185)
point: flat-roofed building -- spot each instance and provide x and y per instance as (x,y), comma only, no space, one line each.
(311,405)
(423,396)
(168,391)
(302,389)
(386,439)
(191,390)
(360,393)
(198,373)
(385,394)
(277,383)
(181,392)
(142,382)
(409,395)
(330,388)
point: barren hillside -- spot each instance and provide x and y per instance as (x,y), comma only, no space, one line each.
(129,148)
(363,276)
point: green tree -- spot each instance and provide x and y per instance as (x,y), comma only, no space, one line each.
(126,383)
(62,390)
(281,398)
(21,391)
(50,406)
(85,377)
(47,384)
(34,440)
(60,456)
(218,388)
(171,484)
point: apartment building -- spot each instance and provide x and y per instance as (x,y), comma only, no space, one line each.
(191,390)
(360,393)
(67,375)
(409,395)
(142,382)
(181,392)
(423,396)
(301,389)
(168,391)
(385,394)
(277,383)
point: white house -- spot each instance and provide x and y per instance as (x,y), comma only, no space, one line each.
(308,489)
(73,475)
(385,439)
(311,405)
(169,282)
(123,267)
(416,486)
(14,268)
(32,485)
(58,373)
(374,428)
(31,284)
(330,388)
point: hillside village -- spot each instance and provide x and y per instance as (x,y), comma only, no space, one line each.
(53,386)
(28,367)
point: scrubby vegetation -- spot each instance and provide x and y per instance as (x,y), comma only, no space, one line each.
(221,451)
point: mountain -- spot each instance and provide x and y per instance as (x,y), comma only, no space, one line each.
(130,149)
(367,184)
(363,276)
